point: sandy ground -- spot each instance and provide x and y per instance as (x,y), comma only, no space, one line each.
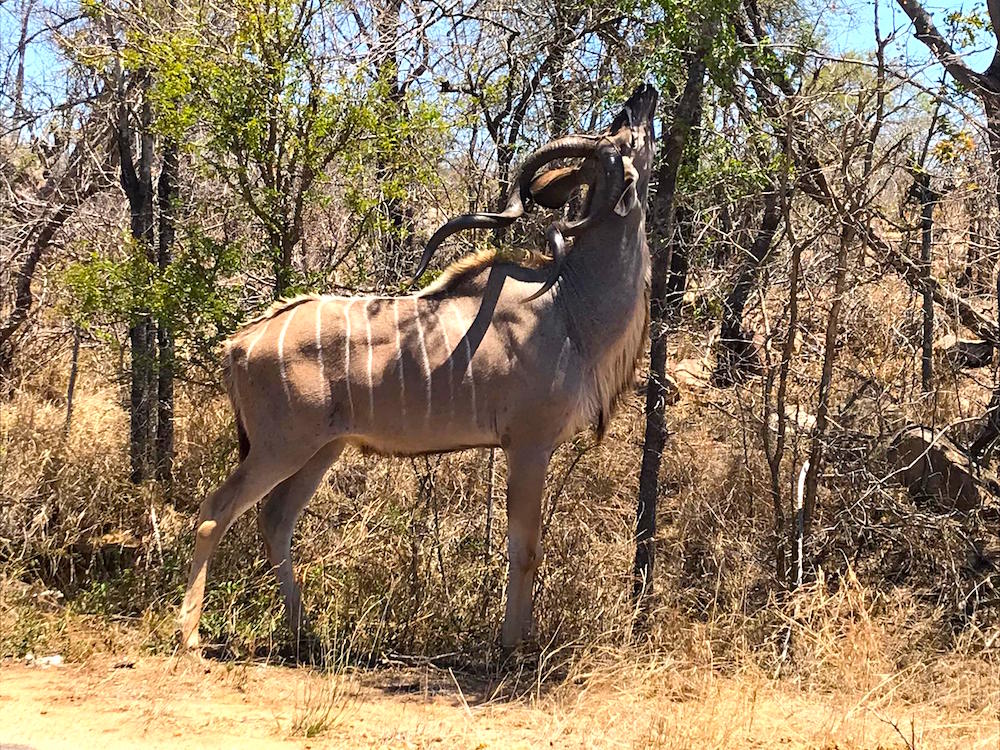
(164,703)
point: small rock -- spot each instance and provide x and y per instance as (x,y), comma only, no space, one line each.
(932,466)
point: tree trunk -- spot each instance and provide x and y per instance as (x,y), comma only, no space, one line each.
(927,200)
(990,430)
(680,242)
(776,453)
(22,46)
(737,356)
(74,369)
(137,182)
(847,233)
(682,234)
(167,194)
(399,243)
(971,275)
(22,288)
(559,94)
(661,211)
(281,261)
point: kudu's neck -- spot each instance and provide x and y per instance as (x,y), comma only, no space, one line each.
(603,285)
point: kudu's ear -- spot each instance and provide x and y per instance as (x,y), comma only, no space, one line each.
(553,188)
(629,199)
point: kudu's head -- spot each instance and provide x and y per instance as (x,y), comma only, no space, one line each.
(615,169)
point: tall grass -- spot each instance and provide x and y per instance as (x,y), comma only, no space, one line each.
(397,562)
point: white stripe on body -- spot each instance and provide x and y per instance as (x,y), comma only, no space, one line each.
(468,358)
(371,388)
(423,352)
(257,338)
(558,376)
(281,352)
(399,359)
(347,358)
(319,348)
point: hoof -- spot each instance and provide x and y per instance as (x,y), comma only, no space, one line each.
(189,641)
(525,651)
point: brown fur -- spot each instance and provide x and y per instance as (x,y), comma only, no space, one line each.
(276,309)
(299,400)
(626,365)
(617,374)
(470,265)
(273,311)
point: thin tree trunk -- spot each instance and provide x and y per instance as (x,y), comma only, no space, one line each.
(927,199)
(141,338)
(971,275)
(685,118)
(920,190)
(737,356)
(137,182)
(847,233)
(399,243)
(990,430)
(682,235)
(680,242)
(775,452)
(74,369)
(22,47)
(283,244)
(987,437)
(164,443)
(559,94)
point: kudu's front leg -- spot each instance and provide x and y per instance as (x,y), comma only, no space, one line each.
(526,468)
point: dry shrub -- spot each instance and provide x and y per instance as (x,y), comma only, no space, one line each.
(396,559)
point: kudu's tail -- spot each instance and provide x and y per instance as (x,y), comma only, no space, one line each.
(241,436)
(241,430)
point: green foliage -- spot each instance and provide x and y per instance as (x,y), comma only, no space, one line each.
(723,162)
(405,140)
(189,297)
(271,115)
(966,29)
(678,28)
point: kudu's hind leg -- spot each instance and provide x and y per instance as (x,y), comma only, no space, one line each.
(526,467)
(276,520)
(252,479)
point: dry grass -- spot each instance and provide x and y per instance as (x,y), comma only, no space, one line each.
(654,703)
(321,706)
(895,623)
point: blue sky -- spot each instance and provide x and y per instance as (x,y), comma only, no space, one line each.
(849,23)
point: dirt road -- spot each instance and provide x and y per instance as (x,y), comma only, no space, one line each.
(109,703)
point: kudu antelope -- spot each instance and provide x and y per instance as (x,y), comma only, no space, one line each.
(491,354)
